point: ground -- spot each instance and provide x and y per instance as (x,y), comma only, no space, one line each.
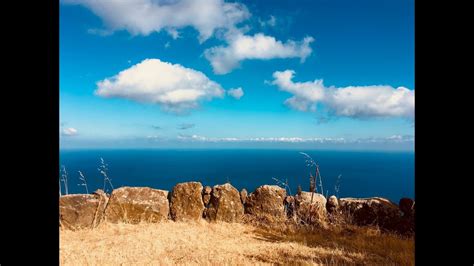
(202,243)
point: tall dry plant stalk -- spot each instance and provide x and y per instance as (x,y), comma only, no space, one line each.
(337,185)
(64,179)
(103,168)
(282,184)
(320,179)
(84,181)
(313,179)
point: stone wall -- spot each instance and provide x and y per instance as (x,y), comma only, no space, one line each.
(191,201)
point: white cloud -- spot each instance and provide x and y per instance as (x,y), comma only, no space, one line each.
(270,22)
(257,139)
(70,131)
(259,46)
(395,138)
(174,87)
(352,101)
(143,17)
(174,33)
(236,93)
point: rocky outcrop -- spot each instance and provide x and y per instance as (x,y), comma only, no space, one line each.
(311,207)
(225,204)
(372,211)
(186,202)
(137,204)
(266,201)
(80,211)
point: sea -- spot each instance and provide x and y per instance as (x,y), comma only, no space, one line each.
(387,174)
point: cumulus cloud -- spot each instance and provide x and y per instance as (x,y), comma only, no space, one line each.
(174,87)
(143,17)
(259,46)
(70,131)
(185,126)
(351,101)
(236,93)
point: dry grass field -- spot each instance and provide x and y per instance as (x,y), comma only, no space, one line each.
(203,243)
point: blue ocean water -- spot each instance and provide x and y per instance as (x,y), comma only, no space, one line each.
(363,174)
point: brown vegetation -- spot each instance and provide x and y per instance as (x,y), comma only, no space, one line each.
(203,243)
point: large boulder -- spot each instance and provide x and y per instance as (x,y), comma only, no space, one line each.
(311,207)
(186,202)
(81,211)
(267,202)
(225,204)
(137,204)
(371,211)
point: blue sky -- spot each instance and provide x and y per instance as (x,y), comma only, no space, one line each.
(244,74)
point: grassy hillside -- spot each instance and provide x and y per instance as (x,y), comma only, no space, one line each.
(206,243)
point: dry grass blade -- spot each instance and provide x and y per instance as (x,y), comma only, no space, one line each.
(202,243)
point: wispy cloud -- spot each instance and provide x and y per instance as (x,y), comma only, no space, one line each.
(70,131)
(352,101)
(154,138)
(156,127)
(100,32)
(185,126)
(269,22)
(394,138)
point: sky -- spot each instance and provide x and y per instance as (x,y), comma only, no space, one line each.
(327,74)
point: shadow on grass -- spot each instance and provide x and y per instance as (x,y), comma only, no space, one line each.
(375,247)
